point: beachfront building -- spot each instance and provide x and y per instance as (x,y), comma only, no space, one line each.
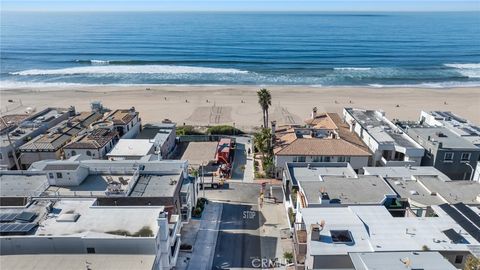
(389,144)
(80,227)
(126,121)
(21,128)
(450,153)
(124,182)
(456,124)
(50,145)
(95,144)
(330,235)
(163,135)
(325,138)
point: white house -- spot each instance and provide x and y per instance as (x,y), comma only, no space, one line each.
(79,226)
(390,146)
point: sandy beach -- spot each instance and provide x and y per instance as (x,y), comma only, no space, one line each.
(212,105)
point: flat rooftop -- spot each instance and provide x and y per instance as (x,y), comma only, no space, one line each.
(405,172)
(200,152)
(426,135)
(26,125)
(415,191)
(22,185)
(361,190)
(400,260)
(93,185)
(77,262)
(156,185)
(132,147)
(313,171)
(453,191)
(380,128)
(374,229)
(458,125)
(98,221)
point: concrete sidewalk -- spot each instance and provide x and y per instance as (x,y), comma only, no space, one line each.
(204,247)
(274,232)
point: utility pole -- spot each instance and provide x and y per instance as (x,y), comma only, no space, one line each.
(203,182)
(11,145)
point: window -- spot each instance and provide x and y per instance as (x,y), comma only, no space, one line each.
(89,153)
(316,159)
(1,156)
(458,259)
(90,250)
(341,236)
(50,175)
(326,159)
(341,159)
(59,175)
(466,156)
(74,153)
(448,157)
(298,159)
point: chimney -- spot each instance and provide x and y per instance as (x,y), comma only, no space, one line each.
(440,145)
(314,113)
(315,232)
(162,221)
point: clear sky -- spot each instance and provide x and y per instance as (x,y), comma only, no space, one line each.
(236,5)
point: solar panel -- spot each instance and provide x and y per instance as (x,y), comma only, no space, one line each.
(455,237)
(26,216)
(469,213)
(8,217)
(462,221)
(16,228)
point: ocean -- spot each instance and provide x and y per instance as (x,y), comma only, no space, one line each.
(319,49)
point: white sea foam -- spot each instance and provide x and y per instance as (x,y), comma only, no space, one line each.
(130,69)
(99,62)
(353,68)
(429,85)
(471,70)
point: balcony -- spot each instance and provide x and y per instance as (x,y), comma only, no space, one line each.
(300,242)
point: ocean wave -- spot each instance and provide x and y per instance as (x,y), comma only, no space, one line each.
(470,70)
(353,68)
(428,85)
(126,69)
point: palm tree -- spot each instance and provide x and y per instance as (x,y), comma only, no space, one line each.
(265,100)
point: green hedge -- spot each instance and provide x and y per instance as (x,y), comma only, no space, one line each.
(224,130)
(187,130)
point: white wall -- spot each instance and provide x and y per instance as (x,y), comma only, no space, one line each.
(69,178)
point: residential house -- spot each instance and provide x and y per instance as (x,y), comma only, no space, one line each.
(333,234)
(450,153)
(456,124)
(326,138)
(50,145)
(389,144)
(126,121)
(75,227)
(18,129)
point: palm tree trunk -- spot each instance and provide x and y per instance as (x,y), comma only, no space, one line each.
(266,113)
